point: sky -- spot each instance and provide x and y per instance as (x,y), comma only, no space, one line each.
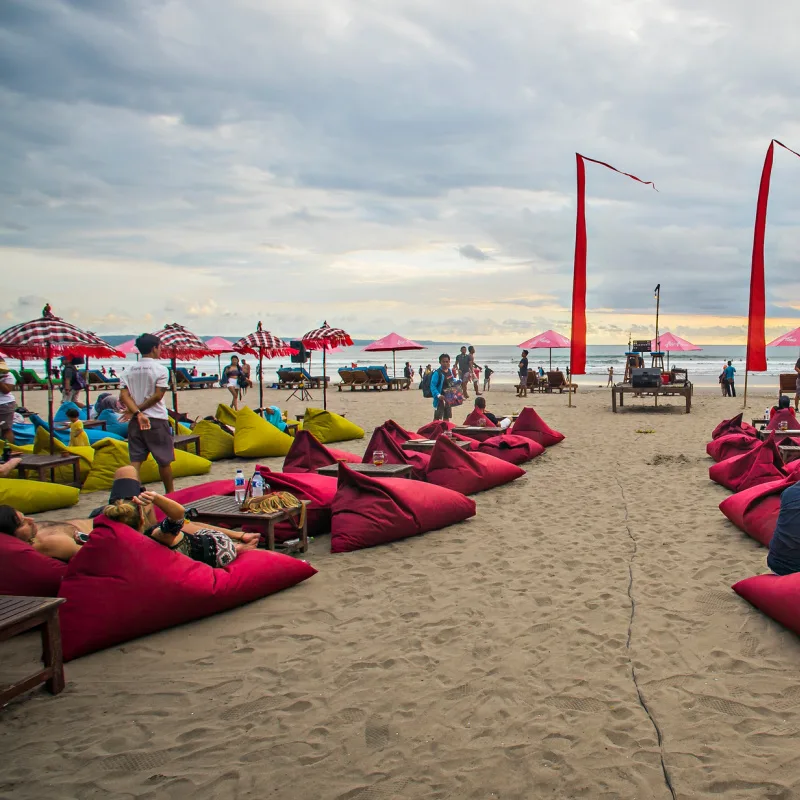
(395,164)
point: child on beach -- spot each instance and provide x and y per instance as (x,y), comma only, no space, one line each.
(77,435)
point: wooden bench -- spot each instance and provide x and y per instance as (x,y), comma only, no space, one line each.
(20,614)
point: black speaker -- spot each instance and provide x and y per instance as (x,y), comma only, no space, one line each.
(646,378)
(302,353)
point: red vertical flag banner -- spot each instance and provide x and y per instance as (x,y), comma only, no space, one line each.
(577,356)
(756,317)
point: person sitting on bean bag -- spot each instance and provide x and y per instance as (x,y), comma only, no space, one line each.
(59,540)
(784,548)
(783,403)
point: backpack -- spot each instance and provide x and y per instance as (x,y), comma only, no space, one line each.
(425,385)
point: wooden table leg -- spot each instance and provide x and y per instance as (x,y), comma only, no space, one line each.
(53,658)
(688,402)
(613,400)
(270,534)
(76,473)
(304,533)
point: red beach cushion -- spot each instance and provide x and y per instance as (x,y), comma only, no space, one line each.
(23,571)
(475,416)
(308,454)
(319,490)
(530,424)
(755,510)
(760,465)
(777,596)
(733,425)
(395,454)
(398,432)
(511,448)
(731,444)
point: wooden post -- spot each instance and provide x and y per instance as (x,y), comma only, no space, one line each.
(745,387)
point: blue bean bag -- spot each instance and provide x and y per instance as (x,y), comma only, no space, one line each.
(24,433)
(94,434)
(113,425)
(61,412)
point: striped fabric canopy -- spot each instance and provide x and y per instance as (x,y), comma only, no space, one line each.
(177,342)
(326,338)
(50,336)
(264,345)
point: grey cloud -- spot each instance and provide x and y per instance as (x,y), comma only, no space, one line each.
(473,253)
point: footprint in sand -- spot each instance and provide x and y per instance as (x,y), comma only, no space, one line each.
(565,703)
(135,762)
(376,735)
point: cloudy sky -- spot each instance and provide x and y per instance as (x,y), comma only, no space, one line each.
(395,164)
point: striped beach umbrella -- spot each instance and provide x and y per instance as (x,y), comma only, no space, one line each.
(326,338)
(263,344)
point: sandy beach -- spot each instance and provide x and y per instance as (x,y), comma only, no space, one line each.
(537,650)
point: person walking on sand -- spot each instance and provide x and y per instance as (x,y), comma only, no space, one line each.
(463,370)
(230,380)
(730,382)
(441,380)
(487,378)
(610,377)
(523,375)
(142,388)
(474,369)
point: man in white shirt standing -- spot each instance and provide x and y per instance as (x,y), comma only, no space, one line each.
(8,403)
(143,386)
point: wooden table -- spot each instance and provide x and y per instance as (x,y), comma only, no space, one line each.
(20,614)
(183,441)
(790,452)
(764,433)
(292,428)
(224,511)
(42,463)
(478,432)
(759,423)
(426,445)
(87,424)
(665,390)
(373,471)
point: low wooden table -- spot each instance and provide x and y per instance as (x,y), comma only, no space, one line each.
(759,423)
(42,463)
(373,471)
(790,452)
(20,614)
(426,445)
(478,432)
(665,390)
(224,511)
(763,433)
(185,440)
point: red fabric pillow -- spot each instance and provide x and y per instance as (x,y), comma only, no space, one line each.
(192,494)
(382,440)
(514,449)
(433,430)
(123,585)
(308,454)
(371,511)
(475,416)
(530,424)
(777,596)
(786,415)
(23,571)
(731,444)
(733,425)
(760,465)
(318,489)
(464,472)
(755,510)
(398,432)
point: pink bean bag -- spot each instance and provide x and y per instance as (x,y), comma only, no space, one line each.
(777,596)
(477,417)
(433,430)
(511,448)
(786,415)
(23,571)
(395,454)
(319,490)
(308,454)
(465,472)
(371,511)
(762,464)
(733,425)
(755,510)
(731,444)
(192,494)
(123,585)
(399,433)
(531,425)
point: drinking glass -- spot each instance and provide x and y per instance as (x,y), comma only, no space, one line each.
(378,458)
(784,426)
(481,422)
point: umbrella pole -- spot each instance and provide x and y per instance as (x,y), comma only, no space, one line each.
(261,380)
(551,359)
(21,383)
(86,377)
(50,421)
(324,382)
(394,363)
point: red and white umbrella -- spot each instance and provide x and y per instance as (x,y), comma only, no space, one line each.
(326,338)
(393,342)
(549,340)
(670,342)
(263,344)
(47,337)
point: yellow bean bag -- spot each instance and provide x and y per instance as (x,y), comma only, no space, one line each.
(215,443)
(329,427)
(183,430)
(41,445)
(257,438)
(226,415)
(111,454)
(31,497)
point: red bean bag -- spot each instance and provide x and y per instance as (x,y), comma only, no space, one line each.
(399,433)
(514,449)
(777,596)
(123,585)
(786,415)
(308,454)
(531,425)
(319,490)
(464,472)
(731,444)
(433,430)
(755,510)
(23,571)
(395,454)
(192,494)
(371,511)
(733,425)
(477,417)
(760,465)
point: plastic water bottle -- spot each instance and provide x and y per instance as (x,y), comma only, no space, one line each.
(766,413)
(257,485)
(239,487)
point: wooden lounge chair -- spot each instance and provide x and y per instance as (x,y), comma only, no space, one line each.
(399,383)
(30,380)
(186,381)
(788,383)
(346,376)
(557,382)
(96,379)
(377,378)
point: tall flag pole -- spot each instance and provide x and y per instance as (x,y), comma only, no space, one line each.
(657,292)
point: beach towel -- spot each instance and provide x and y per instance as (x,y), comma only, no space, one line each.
(372,511)
(531,425)
(394,454)
(731,444)
(733,425)
(762,464)
(777,596)
(511,448)
(755,510)
(307,454)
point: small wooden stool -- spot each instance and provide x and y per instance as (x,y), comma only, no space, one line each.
(20,614)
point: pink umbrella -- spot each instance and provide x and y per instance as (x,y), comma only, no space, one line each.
(669,341)
(548,339)
(393,342)
(219,345)
(128,347)
(791,339)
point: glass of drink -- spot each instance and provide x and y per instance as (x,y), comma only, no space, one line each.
(378,458)
(784,426)
(481,422)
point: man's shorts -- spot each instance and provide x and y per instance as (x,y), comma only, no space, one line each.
(70,395)
(157,441)
(443,411)
(797,388)
(7,416)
